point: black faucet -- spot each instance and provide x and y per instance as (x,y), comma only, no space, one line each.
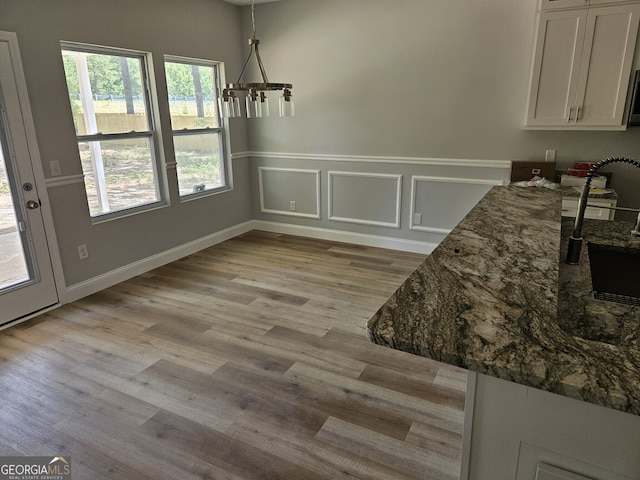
(575,241)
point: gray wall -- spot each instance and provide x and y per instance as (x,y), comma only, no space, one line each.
(378,79)
(416,78)
(207,29)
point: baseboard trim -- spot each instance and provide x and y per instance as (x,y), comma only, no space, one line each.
(108,279)
(346,237)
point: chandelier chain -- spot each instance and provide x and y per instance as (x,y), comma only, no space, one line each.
(253,20)
(256,101)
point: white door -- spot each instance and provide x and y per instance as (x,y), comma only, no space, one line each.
(26,275)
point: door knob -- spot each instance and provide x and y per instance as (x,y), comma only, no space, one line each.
(32,205)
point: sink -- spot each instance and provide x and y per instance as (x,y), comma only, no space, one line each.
(615,273)
(610,266)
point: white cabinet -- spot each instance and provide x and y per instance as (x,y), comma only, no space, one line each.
(550,4)
(570,208)
(581,68)
(511,429)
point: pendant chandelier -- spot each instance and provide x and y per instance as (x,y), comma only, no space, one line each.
(256,102)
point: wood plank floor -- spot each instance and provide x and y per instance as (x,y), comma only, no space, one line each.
(247,360)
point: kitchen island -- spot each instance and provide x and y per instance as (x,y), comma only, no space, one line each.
(487,299)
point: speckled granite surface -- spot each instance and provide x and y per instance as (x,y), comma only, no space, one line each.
(487,299)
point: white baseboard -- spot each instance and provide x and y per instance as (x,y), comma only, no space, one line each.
(108,279)
(347,237)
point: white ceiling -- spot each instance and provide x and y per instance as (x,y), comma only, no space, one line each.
(248,2)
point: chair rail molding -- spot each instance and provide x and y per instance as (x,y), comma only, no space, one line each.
(452,162)
(61,181)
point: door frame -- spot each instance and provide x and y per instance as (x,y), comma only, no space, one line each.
(38,173)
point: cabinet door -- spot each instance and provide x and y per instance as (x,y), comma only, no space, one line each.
(556,63)
(547,4)
(605,68)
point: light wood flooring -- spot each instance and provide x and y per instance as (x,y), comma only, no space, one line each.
(247,360)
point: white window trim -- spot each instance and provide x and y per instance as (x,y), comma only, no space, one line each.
(156,152)
(223,130)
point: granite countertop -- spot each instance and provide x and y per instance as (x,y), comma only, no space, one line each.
(487,298)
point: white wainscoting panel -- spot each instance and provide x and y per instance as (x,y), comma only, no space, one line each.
(281,186)
(442,202)
(365,198)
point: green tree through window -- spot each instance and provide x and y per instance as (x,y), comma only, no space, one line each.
(198,135)
(113,120)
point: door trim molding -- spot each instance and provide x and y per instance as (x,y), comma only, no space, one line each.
(11,39)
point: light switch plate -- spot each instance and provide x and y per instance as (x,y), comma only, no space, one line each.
(550,156)
(83,251)
(54,166)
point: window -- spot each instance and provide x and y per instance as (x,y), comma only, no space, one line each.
(198,137)
(114,126)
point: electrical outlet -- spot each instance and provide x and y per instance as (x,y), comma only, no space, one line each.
(550,156)
(292,205)
(417,218)
(54,166)
(83,252)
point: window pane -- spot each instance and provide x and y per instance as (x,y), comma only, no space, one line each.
(192,96)
(119,174)
(199,162)
(106,92)
(13,264)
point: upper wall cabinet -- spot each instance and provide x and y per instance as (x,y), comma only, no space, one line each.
(550,4)
(581,68)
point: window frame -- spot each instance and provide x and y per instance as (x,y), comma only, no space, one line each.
(222,131)
(152,134)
